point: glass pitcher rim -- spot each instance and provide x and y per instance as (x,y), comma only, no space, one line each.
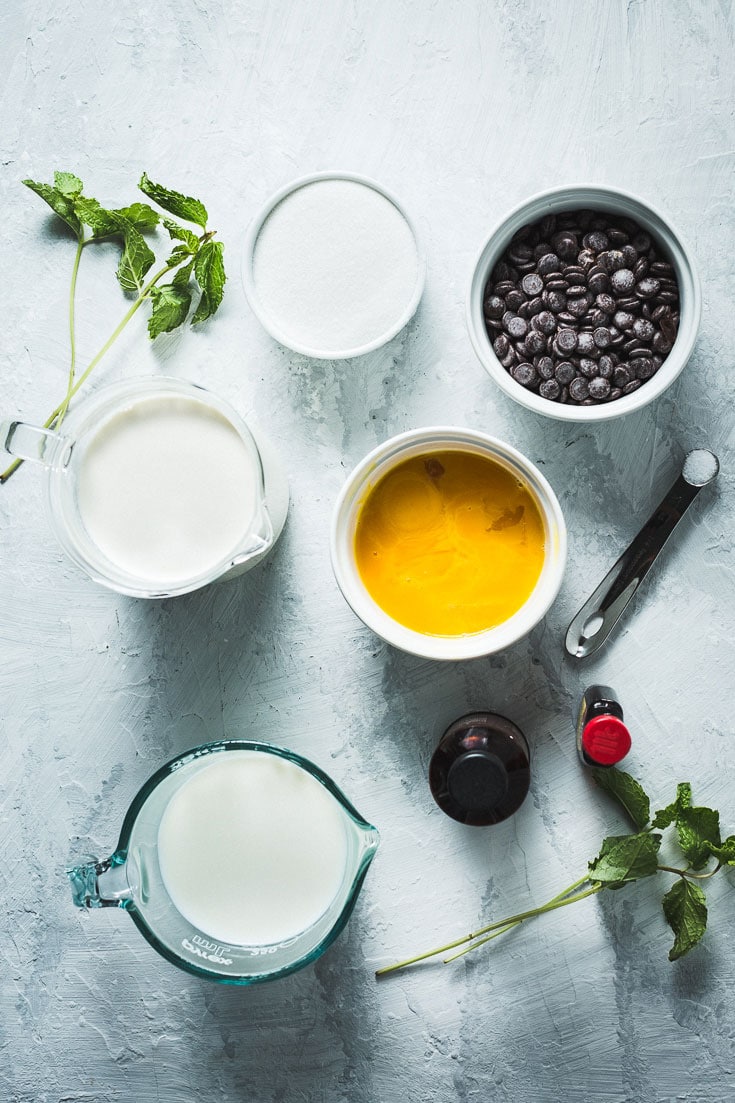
(120,856)
(223,745)
(81,419)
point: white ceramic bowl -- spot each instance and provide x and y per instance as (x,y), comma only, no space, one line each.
(419,442)
(272,325)
(612,200)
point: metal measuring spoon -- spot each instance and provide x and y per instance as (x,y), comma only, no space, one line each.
(598,616)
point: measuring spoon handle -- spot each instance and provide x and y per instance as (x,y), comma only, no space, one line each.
(596,619)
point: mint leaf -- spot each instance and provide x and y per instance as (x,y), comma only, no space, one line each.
(135,261)
(183,206)
(182,277)
(100,221)
(58,202)
(625,858)
(698,829)
(685,909)
(179,254)
(170,306)
(104,223)
(140,215)
(180,233)
(683,799)
(68,184)
(627,792)
(724,853)
(209,269)
(665,816)
(683,795)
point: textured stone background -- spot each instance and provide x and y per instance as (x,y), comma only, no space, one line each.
(463,109)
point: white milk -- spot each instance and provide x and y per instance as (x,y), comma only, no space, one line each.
(335,265)
(167,489)
(252,849)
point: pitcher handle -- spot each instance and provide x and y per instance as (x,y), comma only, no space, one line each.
(100,884)
(30,442)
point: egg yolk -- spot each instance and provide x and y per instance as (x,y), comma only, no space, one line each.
(450,543)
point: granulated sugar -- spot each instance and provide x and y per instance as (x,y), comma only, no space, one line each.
(335,267)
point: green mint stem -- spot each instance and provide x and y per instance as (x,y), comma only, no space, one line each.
(516,920)
(686,873)
(51,420)
(559,901)
(72,338)
(480,942)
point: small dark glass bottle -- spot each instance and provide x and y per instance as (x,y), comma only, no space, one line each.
(480,772)
(602,737)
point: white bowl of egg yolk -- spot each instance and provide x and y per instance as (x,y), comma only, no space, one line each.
(448,543)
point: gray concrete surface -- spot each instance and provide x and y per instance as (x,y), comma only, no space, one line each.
(462,109)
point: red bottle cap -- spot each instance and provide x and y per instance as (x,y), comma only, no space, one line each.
(605,740)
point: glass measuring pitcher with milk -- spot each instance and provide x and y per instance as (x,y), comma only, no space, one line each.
(156,487)
(238,861)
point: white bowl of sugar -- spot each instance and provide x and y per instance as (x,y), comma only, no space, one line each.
(332,266)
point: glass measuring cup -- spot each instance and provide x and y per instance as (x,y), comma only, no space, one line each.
(256,510)
(132,878)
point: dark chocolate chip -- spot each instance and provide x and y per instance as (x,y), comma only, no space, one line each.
(612,260)
(644,330)
(515,326)
(623,320)
(546,322)
(550,389)
(566,341)
(494,306)
(588,367)
(565,245)
(599,388)
(596,240)
(524,373)
(606,303)
(647,288)
(535,343)
(577,307)
(579,389)
(532,284)
(564,372)
(550,262)
(630,256)
(622,281)
(585,344)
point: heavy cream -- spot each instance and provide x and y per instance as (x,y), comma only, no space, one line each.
(252,849)
(167,489)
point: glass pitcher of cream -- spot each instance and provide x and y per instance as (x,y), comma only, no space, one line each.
(238,861)
(156,487)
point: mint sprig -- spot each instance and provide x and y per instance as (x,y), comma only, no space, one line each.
(623,859)
(195,263)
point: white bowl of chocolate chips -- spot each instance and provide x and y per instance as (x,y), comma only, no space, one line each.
(584,303)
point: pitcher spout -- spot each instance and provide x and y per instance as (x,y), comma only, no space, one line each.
(259,540)
(370,838)
(101,884)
